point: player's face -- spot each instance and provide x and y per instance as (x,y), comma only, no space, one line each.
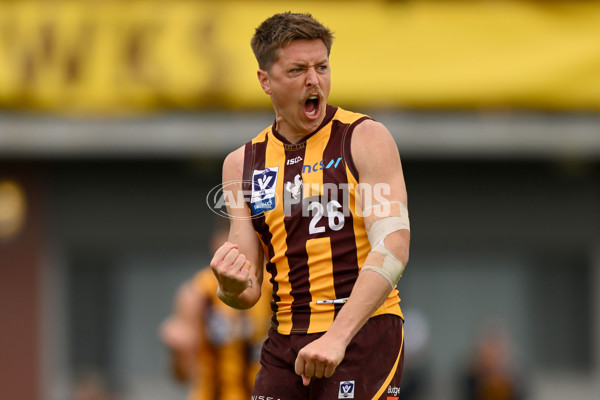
(299,83)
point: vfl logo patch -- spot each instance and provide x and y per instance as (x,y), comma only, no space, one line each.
(346,390)
(263,190)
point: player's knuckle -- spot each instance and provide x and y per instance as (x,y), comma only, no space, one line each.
(231,276)
(305,354)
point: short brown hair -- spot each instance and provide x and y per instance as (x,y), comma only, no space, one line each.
(280,29)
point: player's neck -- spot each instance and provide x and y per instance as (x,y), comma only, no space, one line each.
(291,136)
(294,134)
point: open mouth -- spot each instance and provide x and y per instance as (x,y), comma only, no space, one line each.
(311,106)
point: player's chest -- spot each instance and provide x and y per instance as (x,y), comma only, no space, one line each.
(301,181)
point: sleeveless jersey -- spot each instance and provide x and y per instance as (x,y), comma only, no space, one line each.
(303,200)
(229,351)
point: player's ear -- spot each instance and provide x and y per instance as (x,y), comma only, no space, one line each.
(263,78)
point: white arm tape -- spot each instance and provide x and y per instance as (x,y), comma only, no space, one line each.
(380,259)
(391,268)
(384,226)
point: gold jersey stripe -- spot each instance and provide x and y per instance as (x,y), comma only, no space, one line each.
(321,282)
(275,157)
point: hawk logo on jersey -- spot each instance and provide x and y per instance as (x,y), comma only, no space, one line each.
(264,183)
(346,390)
(295,189)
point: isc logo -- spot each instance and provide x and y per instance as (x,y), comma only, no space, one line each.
(293,161)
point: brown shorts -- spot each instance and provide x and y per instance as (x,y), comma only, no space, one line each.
(371,369)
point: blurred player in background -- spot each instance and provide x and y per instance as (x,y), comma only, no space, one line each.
(91,386)
(214,347)
(334,252)
(492,372)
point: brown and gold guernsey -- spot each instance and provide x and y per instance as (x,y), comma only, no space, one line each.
(303,200)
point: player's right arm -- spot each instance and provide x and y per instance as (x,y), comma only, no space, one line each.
(238,263)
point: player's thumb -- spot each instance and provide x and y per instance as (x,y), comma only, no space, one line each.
(299,369)
(305,380)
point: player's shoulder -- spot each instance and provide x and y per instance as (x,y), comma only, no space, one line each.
(364,127)
(234,158)
(371,134)
(349,117)
(372,146)
(233,165)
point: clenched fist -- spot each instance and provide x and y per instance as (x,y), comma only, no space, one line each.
(231,269)
(319,359)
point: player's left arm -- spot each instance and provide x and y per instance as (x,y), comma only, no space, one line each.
(378,164)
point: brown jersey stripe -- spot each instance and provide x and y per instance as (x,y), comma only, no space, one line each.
(343,244)
(275,157)
(254,158)
(318,271)
(347,149)
(247,171)
(257,156)
(297,234)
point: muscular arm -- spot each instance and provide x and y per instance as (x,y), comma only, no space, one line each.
(238,263)
(377,160)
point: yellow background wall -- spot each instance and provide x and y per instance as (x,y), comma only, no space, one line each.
(122,57)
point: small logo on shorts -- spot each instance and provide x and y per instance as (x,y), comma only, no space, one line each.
(346,390)
(394,391)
